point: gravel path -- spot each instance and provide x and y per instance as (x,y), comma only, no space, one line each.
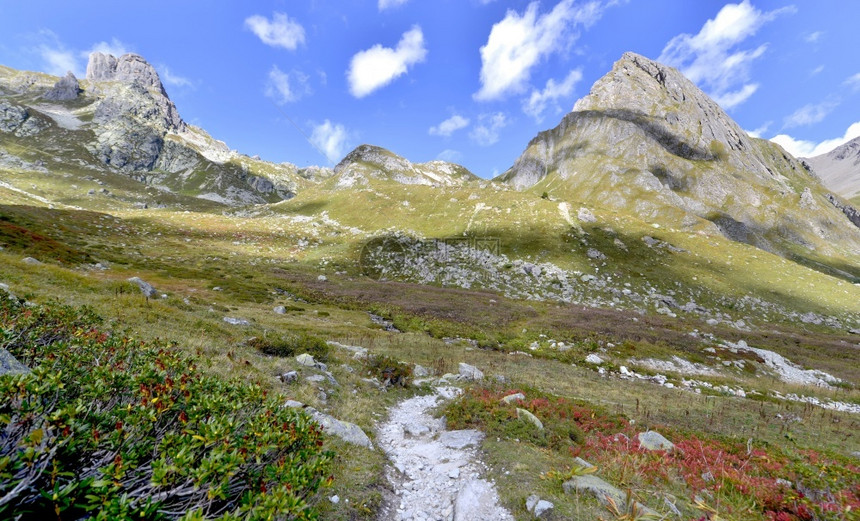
(435,473)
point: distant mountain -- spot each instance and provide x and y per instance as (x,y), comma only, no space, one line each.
(839,169)
(647,141)
(120,120)
(368,162)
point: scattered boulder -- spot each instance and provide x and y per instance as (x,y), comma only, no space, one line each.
(306,360)
(593,359)
(420,371)
(10,365)
(293,404)
(585,215)
(470,372)
(280,310)
(525,415)
(31,261)
(595,254)
(289,377)
(653,440)
(145,287)
(593,485)
(235,321)
(538,507)
(67,88)
(516,397)
(348,432)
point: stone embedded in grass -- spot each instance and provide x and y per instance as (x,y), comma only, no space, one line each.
(420,371)
(306,360)
(280,310)
(593,359)
(593,485)
(31,261)
(237,321)
(348,432)
(470,372)
(145,287)
(460,438)
(653,440)
(293,404)
(538,506)
(525,415)
(10,365)
(516,397)
(289,377)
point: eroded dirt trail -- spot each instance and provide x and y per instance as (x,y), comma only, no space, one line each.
(435,473)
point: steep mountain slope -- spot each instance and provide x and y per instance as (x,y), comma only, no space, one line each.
(648,142)
(839,169)
(120,121)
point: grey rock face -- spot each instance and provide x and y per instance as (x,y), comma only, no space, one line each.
(67,88)
(127,68)
(10,365)
(368,161)
(101,67)
(852,213)
(16,119)
(236,321)
(839,169)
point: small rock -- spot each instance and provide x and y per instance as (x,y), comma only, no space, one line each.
(306,360)
(595,254)
(531,502)
(470,372)
(653,440)
(415,429)
(348,432)
(235,321)
(292,404)
(10,365)
(517,397)
(543,507)
(289,377)
(31,261)
(454,473)
(525,415)
(280,310)
(593,359)
(145,287)
(461,438)
(315,378)
(322,278)
(334,499)
(420,371)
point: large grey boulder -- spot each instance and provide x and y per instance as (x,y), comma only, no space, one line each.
(470,372)
(527,416)
(348,432)
(67,88)
(653,440)
(10,365)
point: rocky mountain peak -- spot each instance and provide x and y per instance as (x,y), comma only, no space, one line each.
(67,88)
(839,169)
(377,157)
(369,161)
(128,68)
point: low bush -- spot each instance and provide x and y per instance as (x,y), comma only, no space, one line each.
(388,370)
(291,345)
(107,427)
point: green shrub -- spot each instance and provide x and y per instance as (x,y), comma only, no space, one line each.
(389,370)
(291,345)
(107,427)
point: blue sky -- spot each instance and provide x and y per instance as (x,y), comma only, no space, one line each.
(471,81)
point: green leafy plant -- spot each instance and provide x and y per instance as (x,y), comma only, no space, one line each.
(107,427)
(389,371)
(291,345)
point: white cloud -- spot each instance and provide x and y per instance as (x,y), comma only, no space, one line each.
(114,47)
(486,132)
(817,70)
(539,100)
(711,58)
(759,132)
(813,37)
(378,66)
(810,114)
(518,43)
(281,31)
(449,155)
(172,79)
(331,139)
(58,61)
(802,148)
(854,81)
(449,126)
(387,4)
(286,87)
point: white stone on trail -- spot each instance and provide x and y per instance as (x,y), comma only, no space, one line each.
(435,473)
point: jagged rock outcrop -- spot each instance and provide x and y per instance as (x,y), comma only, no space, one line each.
(128,68)
(67,88)
(646,141)
(18,120)
(852,213)
(839,169)
(368,161)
